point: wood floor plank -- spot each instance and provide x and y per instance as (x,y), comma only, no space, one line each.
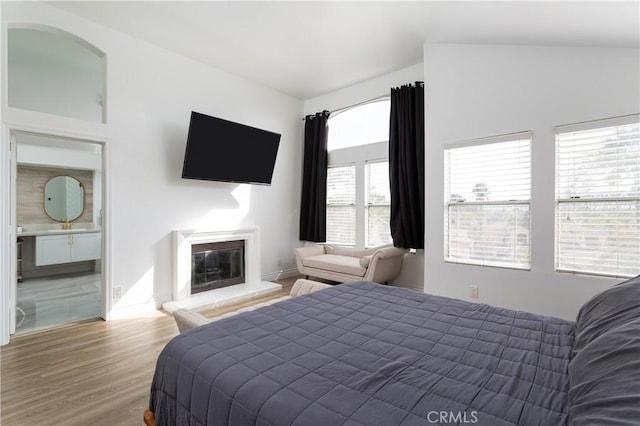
(65,375)
(89,373)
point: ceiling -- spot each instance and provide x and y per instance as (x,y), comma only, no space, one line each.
(306,49)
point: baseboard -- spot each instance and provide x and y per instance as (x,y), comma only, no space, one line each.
(160,299)
(134,310)
(285,273)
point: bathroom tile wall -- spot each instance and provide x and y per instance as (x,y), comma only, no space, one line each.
(30,182)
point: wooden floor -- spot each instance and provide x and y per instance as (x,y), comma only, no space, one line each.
(91,373)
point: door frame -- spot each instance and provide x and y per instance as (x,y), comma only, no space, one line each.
(8,208)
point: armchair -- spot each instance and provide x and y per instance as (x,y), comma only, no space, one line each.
(378,264)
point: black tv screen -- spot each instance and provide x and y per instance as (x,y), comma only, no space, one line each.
(225,151)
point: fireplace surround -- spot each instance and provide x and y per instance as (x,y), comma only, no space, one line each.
(184,240)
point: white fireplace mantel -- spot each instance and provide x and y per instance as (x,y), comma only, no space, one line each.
(253,286)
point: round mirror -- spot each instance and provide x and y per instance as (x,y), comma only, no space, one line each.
(63,198)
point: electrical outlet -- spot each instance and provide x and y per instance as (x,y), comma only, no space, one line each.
(117,293)
(473,291)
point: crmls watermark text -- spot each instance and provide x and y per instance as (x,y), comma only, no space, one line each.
(453,417)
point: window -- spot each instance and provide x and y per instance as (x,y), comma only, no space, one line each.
(361,125)
(378,203)
(598,197)
(487,190)
(358,194)
(341,205)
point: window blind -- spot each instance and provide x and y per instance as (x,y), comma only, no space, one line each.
(598,199)
(341,209)
(487,193)
(377,203)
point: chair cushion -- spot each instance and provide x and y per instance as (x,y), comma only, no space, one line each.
(335,263)
(365,261)
(342,251)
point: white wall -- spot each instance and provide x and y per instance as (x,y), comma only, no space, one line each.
(474,91)
(364,91)
(412,269)
(151,93)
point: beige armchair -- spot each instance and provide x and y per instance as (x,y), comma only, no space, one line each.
(378,264)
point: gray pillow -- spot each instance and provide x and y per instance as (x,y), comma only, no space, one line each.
(613,307)
(604,379)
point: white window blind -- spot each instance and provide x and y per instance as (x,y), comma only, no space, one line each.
(598,198)
(487,190)
(378,203)
(341,205)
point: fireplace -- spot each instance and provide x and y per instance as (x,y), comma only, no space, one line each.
(216,265)
(199,256)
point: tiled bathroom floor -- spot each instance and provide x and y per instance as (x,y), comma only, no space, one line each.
(53,301)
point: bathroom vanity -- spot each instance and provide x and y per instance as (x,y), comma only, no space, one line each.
(67,247)
(52,246)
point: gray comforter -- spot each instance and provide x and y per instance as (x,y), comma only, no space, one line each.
(367,354)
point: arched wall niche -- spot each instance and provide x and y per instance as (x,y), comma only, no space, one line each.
(55,72)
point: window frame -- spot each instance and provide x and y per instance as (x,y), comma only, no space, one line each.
(577,199)
(359,155)
(450,205)
(357,108)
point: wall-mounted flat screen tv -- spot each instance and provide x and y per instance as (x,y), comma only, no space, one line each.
(221,150)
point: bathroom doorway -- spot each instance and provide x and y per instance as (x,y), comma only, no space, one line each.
(54,101)
(59,203)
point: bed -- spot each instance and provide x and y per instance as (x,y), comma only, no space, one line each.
(367,354)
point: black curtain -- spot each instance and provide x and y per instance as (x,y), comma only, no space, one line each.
(313,209)
(406,165)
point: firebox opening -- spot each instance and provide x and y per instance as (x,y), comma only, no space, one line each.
(217,265)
